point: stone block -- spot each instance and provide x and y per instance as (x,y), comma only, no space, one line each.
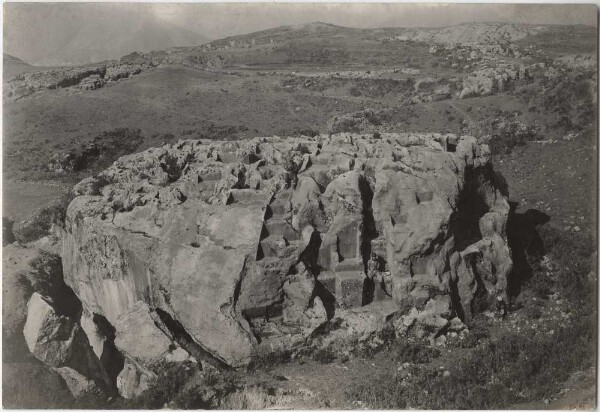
(349,242)
(424,196)
(324,259)
(350,265)
(328,280)
(279,227)
(228,157)
(272,246)
(349,288)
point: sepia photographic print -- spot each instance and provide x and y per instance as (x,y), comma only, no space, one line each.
(299,206)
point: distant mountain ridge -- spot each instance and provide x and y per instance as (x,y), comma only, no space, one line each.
(94,43)
(481,33)
(159,36)
(9,59)
(13,65)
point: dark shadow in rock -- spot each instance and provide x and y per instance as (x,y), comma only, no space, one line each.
(112,359)
(525,243)
(8,236)
(326,297)
(187,342)
(470,208)
(47,279)
(369,231)
(368,291)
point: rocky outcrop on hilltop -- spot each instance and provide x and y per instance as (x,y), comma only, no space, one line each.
(92,82)
(85,77)
(577,61)
(493,80)
(487,81)
(231,249)
(123,71)
(472,33)
(27,83)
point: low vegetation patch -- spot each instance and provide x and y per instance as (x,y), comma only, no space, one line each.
(502,367)
(509,134)
(512,368)
(41,223)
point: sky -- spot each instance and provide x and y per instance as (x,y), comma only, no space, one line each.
(41,32)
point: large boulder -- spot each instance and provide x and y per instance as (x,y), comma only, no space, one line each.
(27,270)
(59,341)
(133,379)
(78,385)
(227,247)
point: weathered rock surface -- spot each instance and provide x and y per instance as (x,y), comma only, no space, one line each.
(78,384)
(27,83)
(488,81)
(122,71)
(472,33)
(92,82)
(230,248)
(578,61)
(59,341)
(133,380)
(88,77)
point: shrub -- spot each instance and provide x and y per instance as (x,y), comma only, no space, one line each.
(325,355)
(508,135)
(479,331)
(207,393)
(414,353)
(171,379)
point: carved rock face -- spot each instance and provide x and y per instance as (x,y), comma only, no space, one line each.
(238,247)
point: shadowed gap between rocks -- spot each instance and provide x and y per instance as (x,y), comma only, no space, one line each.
(369,233)
(185,340)
(470,207)
(112,359)
(309,257)
(525,244)
(464,226)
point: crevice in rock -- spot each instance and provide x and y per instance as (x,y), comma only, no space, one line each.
(456,301)
(369,230)
(310,255)
(177,331)
(326,297)
(111,359)
(49,282)
(464,223)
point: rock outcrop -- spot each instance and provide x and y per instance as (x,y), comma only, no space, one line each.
(488,81)
(88,77)
(27,83)
(228,249)
(58,341)
(472,33)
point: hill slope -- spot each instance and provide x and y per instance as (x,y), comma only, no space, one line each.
(13,66)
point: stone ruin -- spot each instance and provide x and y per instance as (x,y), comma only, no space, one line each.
(223,251)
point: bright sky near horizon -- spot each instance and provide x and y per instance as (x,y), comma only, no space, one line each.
(35,30)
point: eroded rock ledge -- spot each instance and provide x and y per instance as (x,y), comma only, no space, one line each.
(229,249)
